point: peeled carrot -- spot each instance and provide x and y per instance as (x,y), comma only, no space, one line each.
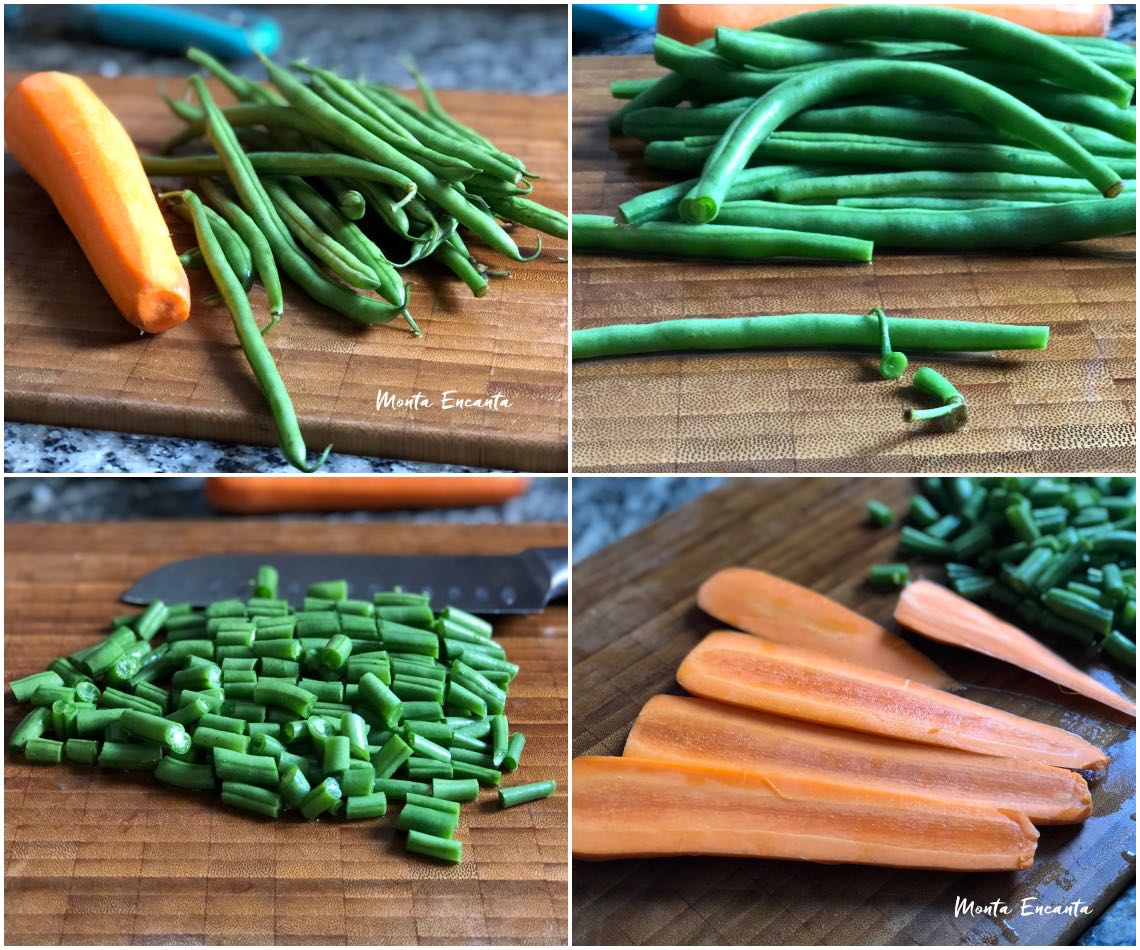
(776,609)
(71,144)
(626,808)
(939,613)
(803,684)
(243,494)
(686,730)
(693,22)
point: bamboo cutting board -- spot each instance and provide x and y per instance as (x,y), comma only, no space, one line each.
(1070,408)
(117,858)
(71,359)
(635,618)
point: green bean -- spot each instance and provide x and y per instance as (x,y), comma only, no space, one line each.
(236,252)
(904,153)
(1007,42)
(416,135)
(260,801)
(243,89)
(253,344)
(32,726)
(444,849)
(753,182)
(283,163)
(259,249)
(951,404)
(448,167)
(800,330)
(130,756)
(888,576)
(462,266)
(350,237)
(296,265)
(916,229)
(934,183)
(599,233)
(668,90)
(181,774)
(514,752)
(23,688)
(521,794)
(339,259)
(351,203)
(372,805)
(352,136)
(455,790)
(47,751)
(925,203)
(532,215)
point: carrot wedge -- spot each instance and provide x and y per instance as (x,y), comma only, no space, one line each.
(775,609)
(940,614)
(689,731)
(803,684)
(625,808)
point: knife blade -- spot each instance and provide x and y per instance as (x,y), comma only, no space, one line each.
(486,584)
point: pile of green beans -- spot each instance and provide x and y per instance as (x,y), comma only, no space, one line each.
(908,104)
(341,184)
(334,707)
(1055,554)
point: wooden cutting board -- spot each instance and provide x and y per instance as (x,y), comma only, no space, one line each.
(635,618)
(71,359)
(118,858)
(1070,408)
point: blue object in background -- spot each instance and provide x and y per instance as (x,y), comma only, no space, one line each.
(601,20)
(225,32)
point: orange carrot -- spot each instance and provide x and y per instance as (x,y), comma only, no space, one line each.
(691,22)
(626,808)
(243,494)
(700,732)
(937,612)
(775,609)
(71,144)
(803,684)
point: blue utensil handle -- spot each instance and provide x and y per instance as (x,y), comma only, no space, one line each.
(173,29)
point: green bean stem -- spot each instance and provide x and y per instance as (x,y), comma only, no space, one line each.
(600,233)
(942,230)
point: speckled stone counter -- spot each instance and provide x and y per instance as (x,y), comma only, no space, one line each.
(464,46)
(607,509)
(144,499)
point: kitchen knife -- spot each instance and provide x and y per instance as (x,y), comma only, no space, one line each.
(485,584)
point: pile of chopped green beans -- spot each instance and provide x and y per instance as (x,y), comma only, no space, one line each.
(334,708)
(902,104)
(1056,554)
(340,184)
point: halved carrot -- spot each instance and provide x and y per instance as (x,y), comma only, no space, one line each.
(803,684)
(624,808)
(694,731)
(776,609)
(71,144)
(937,612)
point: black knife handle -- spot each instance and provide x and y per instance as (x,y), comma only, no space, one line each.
(555,563)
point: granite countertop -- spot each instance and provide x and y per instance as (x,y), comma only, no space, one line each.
(498,48)
(608,509)
(144,499)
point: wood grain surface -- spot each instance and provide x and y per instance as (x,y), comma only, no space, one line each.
(1069,408)
(71,359)
(95,857)
(635,618)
